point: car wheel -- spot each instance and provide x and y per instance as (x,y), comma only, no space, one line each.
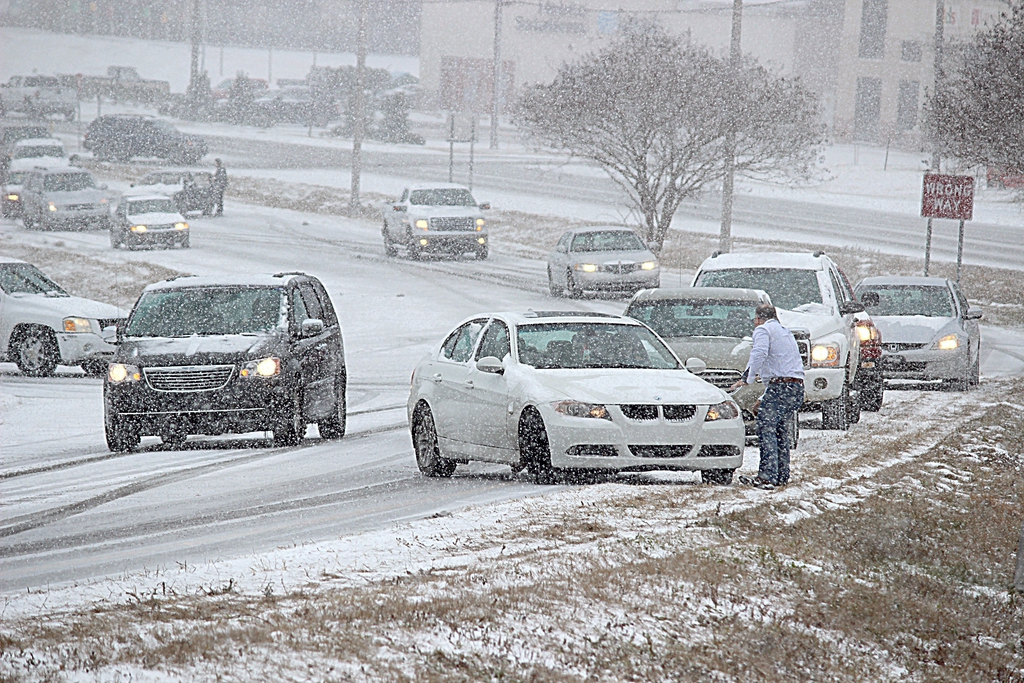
(554,289)
(534,449)
(121,436)
(115,239)
(36,352)
(853,408)
(412,247)
(974,379)
(186,242)
(575,291)
(481,253)
(871,394)
(717,477)
(95,368)
(794,431)
(833,412)
(292,429)
(334,426)
(424,440)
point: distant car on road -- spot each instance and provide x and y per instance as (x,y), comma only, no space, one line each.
(604,258)
(550,391)
(190,190)
(439,218)
(148,219)
(208,355)
(10,200)
(63,198)
(929,331)
(120,137)
(38,152)
(42,326)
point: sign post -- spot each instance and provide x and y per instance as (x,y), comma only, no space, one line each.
(947,196)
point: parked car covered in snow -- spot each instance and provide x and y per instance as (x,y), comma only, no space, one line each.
(42,326)
(148,220)
(550,391)
(929,331)
(438,218)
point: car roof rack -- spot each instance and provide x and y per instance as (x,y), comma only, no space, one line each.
(289,272)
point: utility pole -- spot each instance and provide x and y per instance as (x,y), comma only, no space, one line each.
(359,122)
(940,20)
(725,237)
(496,76)
(195,36)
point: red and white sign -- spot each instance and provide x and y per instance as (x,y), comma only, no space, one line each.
(948,196)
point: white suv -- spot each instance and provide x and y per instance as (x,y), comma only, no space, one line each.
(435,218)
(42,326)
(814,299)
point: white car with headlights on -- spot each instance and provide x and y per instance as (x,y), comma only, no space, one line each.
(150,219)
(605,258)
(435,219)
(550,391)
(42,326)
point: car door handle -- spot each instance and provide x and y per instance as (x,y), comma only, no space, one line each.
(436,378)
(469,384)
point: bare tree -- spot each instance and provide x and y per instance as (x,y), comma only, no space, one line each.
(654,110)
(976,114)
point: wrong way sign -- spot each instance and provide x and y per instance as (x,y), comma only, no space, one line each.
(948,196)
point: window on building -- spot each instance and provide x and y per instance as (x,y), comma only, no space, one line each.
(873,19)
(906,108)
(867,109)
(911,51)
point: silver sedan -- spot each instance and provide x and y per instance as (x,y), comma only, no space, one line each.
(604,258)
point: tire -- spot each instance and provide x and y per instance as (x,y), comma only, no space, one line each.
(554,289)
(853,408)
(424,441)
(482,253)
(291,429)
(334,426)
(36,352)
(794,431)
(834,412)
(95,368)
(871,394)
(717,477)
(574,290)
(186,242)
(412,247)
(115,239)
(121,437)
(534,449)
(974,378)
(390,250)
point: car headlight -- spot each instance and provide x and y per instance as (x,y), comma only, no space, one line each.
(726,410)
(480,224)
(53,207)
(265,367)
(12,197)
(948,343)
(138,228)
(867,332)
(825,354)
(423,224)
(649,265)
(77,325)
(587,267)
(181,226)
(581,409)
(118,372)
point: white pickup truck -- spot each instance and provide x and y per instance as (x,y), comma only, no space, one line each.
(38,97)
(813,299)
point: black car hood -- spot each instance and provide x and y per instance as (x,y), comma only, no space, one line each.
(197,350)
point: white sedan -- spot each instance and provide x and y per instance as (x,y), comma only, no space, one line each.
(568,391)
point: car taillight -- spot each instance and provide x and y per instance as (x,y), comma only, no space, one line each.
(870,340)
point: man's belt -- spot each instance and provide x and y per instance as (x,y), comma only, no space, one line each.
(787,380)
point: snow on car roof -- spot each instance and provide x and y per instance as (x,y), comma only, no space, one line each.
(39,142)
(142,196)
(437,186)
(602,228)
(8,259)
(702,293)
(904,280)
(189,281)
(531,317)
(765,259)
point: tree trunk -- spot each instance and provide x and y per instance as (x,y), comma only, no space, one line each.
(1018,579)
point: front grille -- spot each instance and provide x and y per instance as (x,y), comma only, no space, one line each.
(723,379)
(453,223)
(803,342)
(189,378)
(661,451)
(679,412)
(593,450)
(639,412)
(718,451)
(81,207)
(899,346)
(619,268)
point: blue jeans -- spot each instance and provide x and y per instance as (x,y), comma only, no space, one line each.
(779,403)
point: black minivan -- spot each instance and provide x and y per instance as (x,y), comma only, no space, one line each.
(214,355)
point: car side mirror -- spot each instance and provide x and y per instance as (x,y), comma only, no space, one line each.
(132,185)
(696,365)
(850,307)
(399,207)
(485,206)
(111,334)
(491,365)
(973,313)
(311,327)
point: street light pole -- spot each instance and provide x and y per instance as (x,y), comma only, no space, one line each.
(358,127)
(940,20)
(496,76)
(725,237)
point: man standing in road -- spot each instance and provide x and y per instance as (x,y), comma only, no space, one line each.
(220,183)
(775,358)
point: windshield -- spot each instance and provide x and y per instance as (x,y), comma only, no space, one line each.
(68,182)
(17,177)
(152,206)
(696,318)
(161,179)
(591,345)
(164,127)
(27,279)
(612,240)
(908,300)
(39,151)
(206,311)
(788,288)
(442,196)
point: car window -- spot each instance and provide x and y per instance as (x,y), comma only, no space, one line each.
(591,345)
(205,311)
(458,348)
(696,318)
(140,206)
(26,278)
(17,178)
(299,312)
(36,151)
(563,243)
(788,288)
(611,240)
(442,196)
(962,300)
(495,341)
(898,300)
(840,293)
(313,308)
(68,182)
(329,316)
(405,195)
